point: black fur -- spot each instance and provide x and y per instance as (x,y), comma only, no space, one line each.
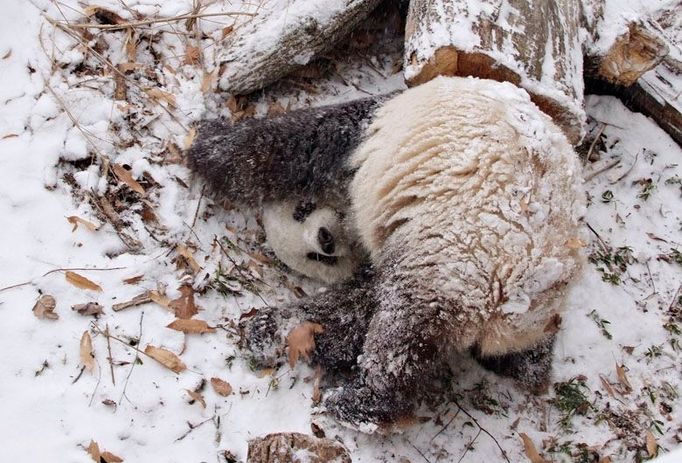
(298,154)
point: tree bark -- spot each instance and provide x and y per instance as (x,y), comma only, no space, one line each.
(266,51)
(535,45)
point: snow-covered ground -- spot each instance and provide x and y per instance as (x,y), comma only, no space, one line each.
(64,140)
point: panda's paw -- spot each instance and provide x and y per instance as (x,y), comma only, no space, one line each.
(362,409)
(262,340)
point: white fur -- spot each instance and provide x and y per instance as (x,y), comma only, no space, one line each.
(292,241)
(486,193)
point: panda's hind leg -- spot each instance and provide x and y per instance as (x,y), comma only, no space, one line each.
(530,368)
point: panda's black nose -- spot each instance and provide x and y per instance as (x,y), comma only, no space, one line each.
(326,240)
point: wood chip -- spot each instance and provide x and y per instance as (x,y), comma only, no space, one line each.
(86,355)
(44,308)
(75,221)
(79,281)
(197,397)
(166,358)
(191,326)
(159,95)
(133,280)
(140,299)
(221,387)
(192,55)
(531,451)
(125,176)
(301,341)
(160,299)
(184,306)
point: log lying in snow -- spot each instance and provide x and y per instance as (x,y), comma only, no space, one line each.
(267,50)
(533,44)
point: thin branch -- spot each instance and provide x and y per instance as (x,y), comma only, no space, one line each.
(504,453)
(113,27)
(66,269)
(110,358)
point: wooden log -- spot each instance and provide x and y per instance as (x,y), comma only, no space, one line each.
(267,50)
(535,45)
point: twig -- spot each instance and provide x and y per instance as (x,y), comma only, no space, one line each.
(238,267)
(80,373)
(445,426)
(137,300)
(504,453)
(470,445)
(627,171)
(155,21)
(65,269)
(418,451)
(196,212)
(192,427)
(610,165)
(605,247)
(107,210)
(672,303)
(132,366)
(110,358)
(594,142)
(99,380)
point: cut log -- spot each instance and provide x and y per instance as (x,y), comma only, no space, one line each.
(535,45)
(288,447)
(267,50)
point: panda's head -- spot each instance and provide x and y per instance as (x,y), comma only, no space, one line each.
(311,240)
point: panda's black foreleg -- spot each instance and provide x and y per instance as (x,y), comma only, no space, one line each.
(300,154)
(400,359)
(530,368)
(344,311)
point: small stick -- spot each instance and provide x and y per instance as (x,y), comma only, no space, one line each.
(594,142)
(17,285)
(110,358)
(610,165)
(147,22)
(504,453)
(137,300)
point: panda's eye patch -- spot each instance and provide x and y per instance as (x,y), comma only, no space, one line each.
(326,240)
(303,210)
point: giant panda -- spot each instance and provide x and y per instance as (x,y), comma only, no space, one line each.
(467,199)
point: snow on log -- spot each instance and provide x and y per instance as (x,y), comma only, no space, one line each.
(267,50)
(290,447)
(535,45)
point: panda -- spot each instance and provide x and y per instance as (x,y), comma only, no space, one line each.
(468,201)
(311,240)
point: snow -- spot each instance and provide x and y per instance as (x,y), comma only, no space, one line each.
(51,413)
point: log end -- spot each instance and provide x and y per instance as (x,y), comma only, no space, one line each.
(448,61)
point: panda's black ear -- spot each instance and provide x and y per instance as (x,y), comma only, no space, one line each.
(302,210)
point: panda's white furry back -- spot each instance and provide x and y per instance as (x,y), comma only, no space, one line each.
(487,194)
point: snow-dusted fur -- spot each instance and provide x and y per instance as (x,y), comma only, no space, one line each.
(313,243)
(468,199)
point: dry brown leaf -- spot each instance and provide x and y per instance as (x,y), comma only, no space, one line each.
(159,95)
(109,457)
(166,358)
(651,444)
(223,388)
(605,460)
(87,357)
(133,280)
(192,55)
(208,80)
(184,306)
(93,450)
(620,371)
(191,326)
(124,175)
(131,45)
(103,16)
(44,308)
(161,299)
(575,243)
(75,221)
(197,397)
(81,282)
(607,386)
(531,451)
(185,252)
(301,341)
(89,308)
(227,31)
(189,138)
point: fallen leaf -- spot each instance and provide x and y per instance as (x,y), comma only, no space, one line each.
(655,238)
(75,221)
(81,282)
(227,31)
(109,457)
(620,371)
(251,313)
(44,308)
(124,175)
(189,138)
(531,451)
(301,341)
(196,396)
(192,55)
(166,358)
(160,299)
(185,252)
(133,280)
(191,326)
(607,386)
(651,444)
(184,306)
(89,308)
(131,45)
(159,95)
(93,450)
(208,80)
(104,16)
(87,358)
(223,388)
